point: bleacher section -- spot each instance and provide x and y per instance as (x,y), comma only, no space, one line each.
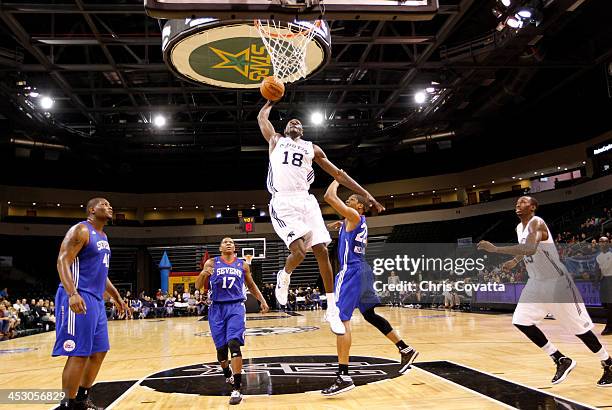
(183,258)
(122,269)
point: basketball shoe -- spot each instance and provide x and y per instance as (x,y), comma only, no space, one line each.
(606,378)
(342,384)
(236,397)
(564,366)
(408,356)
(281,291)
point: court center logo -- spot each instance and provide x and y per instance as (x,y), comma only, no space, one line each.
(268,331)
(272,375)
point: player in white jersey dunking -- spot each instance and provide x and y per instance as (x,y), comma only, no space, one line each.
(549,289)
(295,214)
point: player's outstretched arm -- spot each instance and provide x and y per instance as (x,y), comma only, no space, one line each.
(342,177)
(76,238)
(206,272)
(250,284)
(536,228)
(266,127)
(331,197)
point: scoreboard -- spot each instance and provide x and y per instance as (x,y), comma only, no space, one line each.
(247,224)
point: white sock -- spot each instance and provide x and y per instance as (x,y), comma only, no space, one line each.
(602,354)
(331,299)
(549,348)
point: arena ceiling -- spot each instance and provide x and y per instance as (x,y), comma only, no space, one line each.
(498,95)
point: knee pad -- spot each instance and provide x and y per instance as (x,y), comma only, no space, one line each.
(533,333)
(234,348)
(591,341)
(222,354)
(377,321)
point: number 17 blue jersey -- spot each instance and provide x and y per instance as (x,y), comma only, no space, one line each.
(227,280)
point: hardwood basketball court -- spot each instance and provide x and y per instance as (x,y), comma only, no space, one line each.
(466,361)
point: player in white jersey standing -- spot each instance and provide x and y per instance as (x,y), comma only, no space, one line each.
(604,261)
(549,289)
(295,213)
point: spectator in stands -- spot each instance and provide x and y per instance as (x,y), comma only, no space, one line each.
(147,306)
(267,291)
(5,323)
(4,293)
(14,315)
(136,305)
(186,295)
(395,295)
(169,305)
(291,300)
(191,305)
(18,306)
(201,306)
(109,307)
(180,305)
(316,299)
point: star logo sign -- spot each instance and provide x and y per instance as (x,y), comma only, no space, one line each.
(239,61)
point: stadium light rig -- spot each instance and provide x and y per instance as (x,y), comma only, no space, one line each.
(420,97)
(316,118)
(159,121)
(46,103)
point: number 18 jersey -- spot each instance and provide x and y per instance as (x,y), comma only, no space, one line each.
(227,281)
(290,168)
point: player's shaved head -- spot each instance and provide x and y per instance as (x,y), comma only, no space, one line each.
(92,203)
(532,201)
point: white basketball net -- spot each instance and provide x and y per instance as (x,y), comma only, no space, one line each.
(248,258)
(287,44)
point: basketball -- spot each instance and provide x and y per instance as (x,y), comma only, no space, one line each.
(272,89)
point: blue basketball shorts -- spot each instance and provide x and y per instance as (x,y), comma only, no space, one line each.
(79,334)
(227,321)
(354,288)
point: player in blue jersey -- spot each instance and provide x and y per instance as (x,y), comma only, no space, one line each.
(81,328)
(227,275)
(355,285)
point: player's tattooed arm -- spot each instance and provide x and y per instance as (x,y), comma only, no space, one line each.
(266,127)
(76,238)
(536,233)
(331,197)
(206,272)
(342,177)
(252,286)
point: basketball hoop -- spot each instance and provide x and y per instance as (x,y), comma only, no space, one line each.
(287,45)
(248,259)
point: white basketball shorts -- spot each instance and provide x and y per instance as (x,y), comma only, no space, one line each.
(297,215)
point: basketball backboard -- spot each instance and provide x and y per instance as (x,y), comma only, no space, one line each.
(250,246)
(290,9)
